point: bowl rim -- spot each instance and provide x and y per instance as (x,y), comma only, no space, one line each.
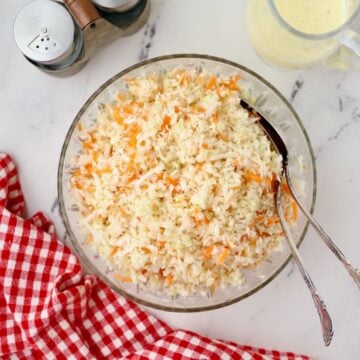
(84,259)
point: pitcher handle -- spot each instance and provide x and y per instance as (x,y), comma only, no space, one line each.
(348,54)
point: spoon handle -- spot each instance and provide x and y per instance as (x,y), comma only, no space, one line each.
(353,271)
(325,320)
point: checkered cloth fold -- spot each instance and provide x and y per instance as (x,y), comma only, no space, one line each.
(49,309)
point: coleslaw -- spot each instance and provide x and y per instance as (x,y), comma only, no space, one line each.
(175,184)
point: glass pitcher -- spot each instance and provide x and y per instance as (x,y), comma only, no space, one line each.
(301,33)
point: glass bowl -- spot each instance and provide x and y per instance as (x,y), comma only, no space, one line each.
(272,104)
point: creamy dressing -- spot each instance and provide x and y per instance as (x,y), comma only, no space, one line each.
(275,43)
(313,16)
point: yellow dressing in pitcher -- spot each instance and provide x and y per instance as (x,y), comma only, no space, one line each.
(312,16)
(274,42)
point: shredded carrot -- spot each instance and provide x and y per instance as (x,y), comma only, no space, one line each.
(105,170)
(132,141)
(133,133)
(222,136)
(200,109)
(252,242)
(200,164)
(177,109)
(146,250)
(131,178)
(95,155)
(265,221)
(131,168)
(233,83)
(132,158)
(222,257)
(129,108)
(169,279)
(210,85)
(123,212)
(216,118)
(264,234)
(89,169)
(205,146)
(196,221)
(78,185)
(161,244)
(185,78)
(272,220)
(285,188)
(295,211)
(257,220)
(208,251)
(172,181)
(250,176)
(87,145)
(214,189)
(196,210)
(118,118)
(165,123)
(122,278)
(114,250)
(199,222)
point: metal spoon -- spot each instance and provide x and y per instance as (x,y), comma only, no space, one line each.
(325,320)
(282,149)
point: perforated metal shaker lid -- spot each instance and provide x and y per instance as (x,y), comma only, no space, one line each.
(115,5)
(44,31)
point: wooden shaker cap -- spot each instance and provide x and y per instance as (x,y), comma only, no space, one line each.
(83,11)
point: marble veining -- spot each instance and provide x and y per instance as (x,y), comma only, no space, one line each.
(296,88)
(291,269)
(341,105)
(150,31)
(36,111)
(55,205)
(339,132)
(257,314)
(355,118)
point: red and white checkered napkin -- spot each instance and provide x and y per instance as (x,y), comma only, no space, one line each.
(50,310)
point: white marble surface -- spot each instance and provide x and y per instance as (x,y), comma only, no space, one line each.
(37,109)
